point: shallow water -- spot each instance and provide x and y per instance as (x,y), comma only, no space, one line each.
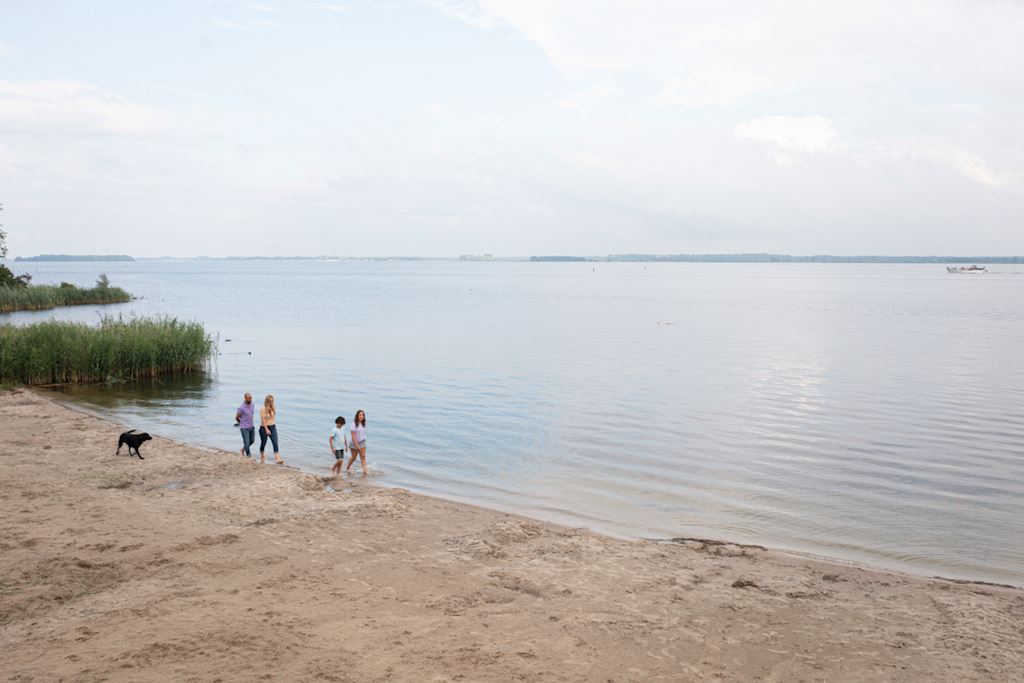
(868,412)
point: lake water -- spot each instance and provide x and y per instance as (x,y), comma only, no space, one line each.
(867,412)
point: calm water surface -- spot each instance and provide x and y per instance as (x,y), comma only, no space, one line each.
(872,413)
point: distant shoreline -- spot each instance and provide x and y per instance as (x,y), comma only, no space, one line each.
(612,258)
(71,257)
(774,258)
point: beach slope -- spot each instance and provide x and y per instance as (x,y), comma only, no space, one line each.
(201,565)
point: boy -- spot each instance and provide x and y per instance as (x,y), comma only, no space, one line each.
(338,442)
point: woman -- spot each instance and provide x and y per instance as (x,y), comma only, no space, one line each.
(268,428)
(358,443)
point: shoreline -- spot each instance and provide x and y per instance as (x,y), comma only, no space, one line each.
(194,563)
(867,562)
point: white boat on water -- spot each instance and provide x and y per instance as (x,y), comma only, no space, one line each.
(966,269)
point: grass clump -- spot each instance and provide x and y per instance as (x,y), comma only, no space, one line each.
(20,296)
(55,352)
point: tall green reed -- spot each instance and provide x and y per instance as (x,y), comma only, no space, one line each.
(43,297)
(55,352)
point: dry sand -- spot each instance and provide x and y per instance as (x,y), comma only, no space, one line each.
(201,565)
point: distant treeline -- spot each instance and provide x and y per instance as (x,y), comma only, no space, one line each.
(781,258)
(74,257)
(563,258)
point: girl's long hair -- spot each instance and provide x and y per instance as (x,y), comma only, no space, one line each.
(268,403)
(356,420)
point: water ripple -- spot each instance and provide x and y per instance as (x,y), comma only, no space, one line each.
(868,412)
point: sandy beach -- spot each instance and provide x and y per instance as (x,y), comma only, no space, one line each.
(200,565)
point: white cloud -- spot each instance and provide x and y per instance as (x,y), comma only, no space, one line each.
(800,134)
(468,11)
(713,85)
(74,107)
(6,49)
(588,126)
(947,154)
(437,110)
(584,101)
(333,7)
(695,54)
(244,24)
(705,53)
(973,166)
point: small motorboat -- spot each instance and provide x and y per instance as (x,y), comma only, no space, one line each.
(966,269)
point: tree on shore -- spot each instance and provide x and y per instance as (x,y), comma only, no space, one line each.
(7,278)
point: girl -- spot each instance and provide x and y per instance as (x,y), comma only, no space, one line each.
(358,444)
(268,428)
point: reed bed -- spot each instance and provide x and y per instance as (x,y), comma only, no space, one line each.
(43,297)
(55,352)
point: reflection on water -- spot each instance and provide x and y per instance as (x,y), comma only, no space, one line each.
(160,395)
(166,402)
(868,412)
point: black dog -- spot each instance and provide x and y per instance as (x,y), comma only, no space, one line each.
(132,440)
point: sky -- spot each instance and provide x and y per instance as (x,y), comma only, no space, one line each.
(512,127)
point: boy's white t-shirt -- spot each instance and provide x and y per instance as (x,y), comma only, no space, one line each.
(338,434)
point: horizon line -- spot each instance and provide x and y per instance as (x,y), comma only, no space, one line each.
(623,257)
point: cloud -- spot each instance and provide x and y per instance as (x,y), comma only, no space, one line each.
(913,80)
(699,54)
(333,7)
(583,101)
(583,126)
(800,134)
(713,85)
(466,11)
(74,107)
(948,154)
(974,167)
(244,24)
(437,110)
(695,54)
(6,49)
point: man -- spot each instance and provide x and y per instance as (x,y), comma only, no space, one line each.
(243,418)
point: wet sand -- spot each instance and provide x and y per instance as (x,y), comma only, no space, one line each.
(201,565)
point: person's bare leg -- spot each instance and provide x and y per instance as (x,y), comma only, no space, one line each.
(352,459)
(362,460)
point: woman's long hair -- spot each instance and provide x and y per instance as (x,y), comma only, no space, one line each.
(268,403)
(357,421)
